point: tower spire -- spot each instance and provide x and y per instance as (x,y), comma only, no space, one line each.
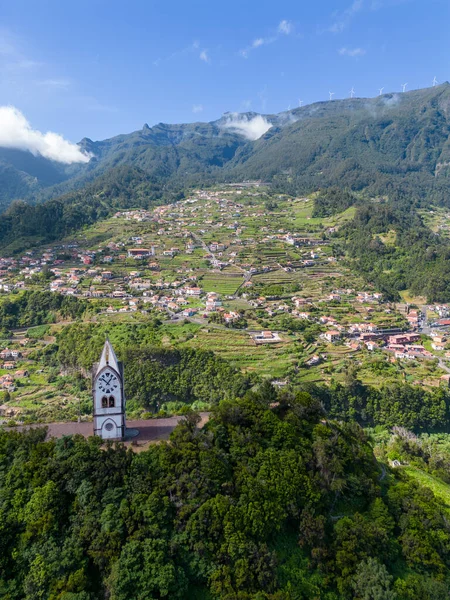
(108,358)
(107,346)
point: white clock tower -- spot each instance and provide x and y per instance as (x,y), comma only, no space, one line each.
(109,396)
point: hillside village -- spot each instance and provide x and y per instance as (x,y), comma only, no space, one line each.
(255,277)
(224,300)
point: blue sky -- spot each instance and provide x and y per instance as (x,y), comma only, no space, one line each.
(97,68)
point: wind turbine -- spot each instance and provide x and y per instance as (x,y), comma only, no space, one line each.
(352,92)
(381,91)
(331,95)
(300,102)
(404,87)
(435,81)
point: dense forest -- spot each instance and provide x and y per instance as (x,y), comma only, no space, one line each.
(398,404)
(332,201)
(29,308)
(416,259)
(262,503)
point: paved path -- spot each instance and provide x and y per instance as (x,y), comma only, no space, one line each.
(150,430)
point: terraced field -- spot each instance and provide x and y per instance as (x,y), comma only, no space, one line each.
(271,360)
(224,283)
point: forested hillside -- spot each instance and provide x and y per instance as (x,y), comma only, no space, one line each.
(396,145)
(268,503)
(24,225)
(392,142)
(395,141)
(23,175)
(30,308)
(418,260)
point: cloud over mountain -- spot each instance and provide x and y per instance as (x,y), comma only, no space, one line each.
(16,132)
(251,128)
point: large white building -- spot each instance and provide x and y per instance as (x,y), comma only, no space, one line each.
(109,396)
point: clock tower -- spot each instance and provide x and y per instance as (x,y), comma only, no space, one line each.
(109,396)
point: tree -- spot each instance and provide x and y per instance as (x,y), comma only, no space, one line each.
(372,581)
(145,570)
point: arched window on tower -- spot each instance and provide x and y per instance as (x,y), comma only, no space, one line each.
(112,402)
(104,402)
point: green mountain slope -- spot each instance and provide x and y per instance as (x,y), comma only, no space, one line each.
(22,174)
(394,141)
(24,225)
(379,143)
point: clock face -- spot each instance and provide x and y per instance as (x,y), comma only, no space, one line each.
(108,382)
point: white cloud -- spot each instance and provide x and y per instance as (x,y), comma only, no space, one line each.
(197,108)
(16,132)
(61,83)
(343,19)
(257,43)
(352,52)
(285,27)
(204,56)
(252,128)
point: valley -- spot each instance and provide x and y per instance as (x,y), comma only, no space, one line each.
(236,270)
(224,301)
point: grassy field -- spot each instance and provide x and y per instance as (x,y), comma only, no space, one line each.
(438,220)
(270,360)
(439,488)
(410,299)
(225,284)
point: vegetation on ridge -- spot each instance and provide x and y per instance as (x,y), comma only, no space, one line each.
(270,503)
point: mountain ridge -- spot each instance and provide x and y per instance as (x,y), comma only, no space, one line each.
(358,142)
